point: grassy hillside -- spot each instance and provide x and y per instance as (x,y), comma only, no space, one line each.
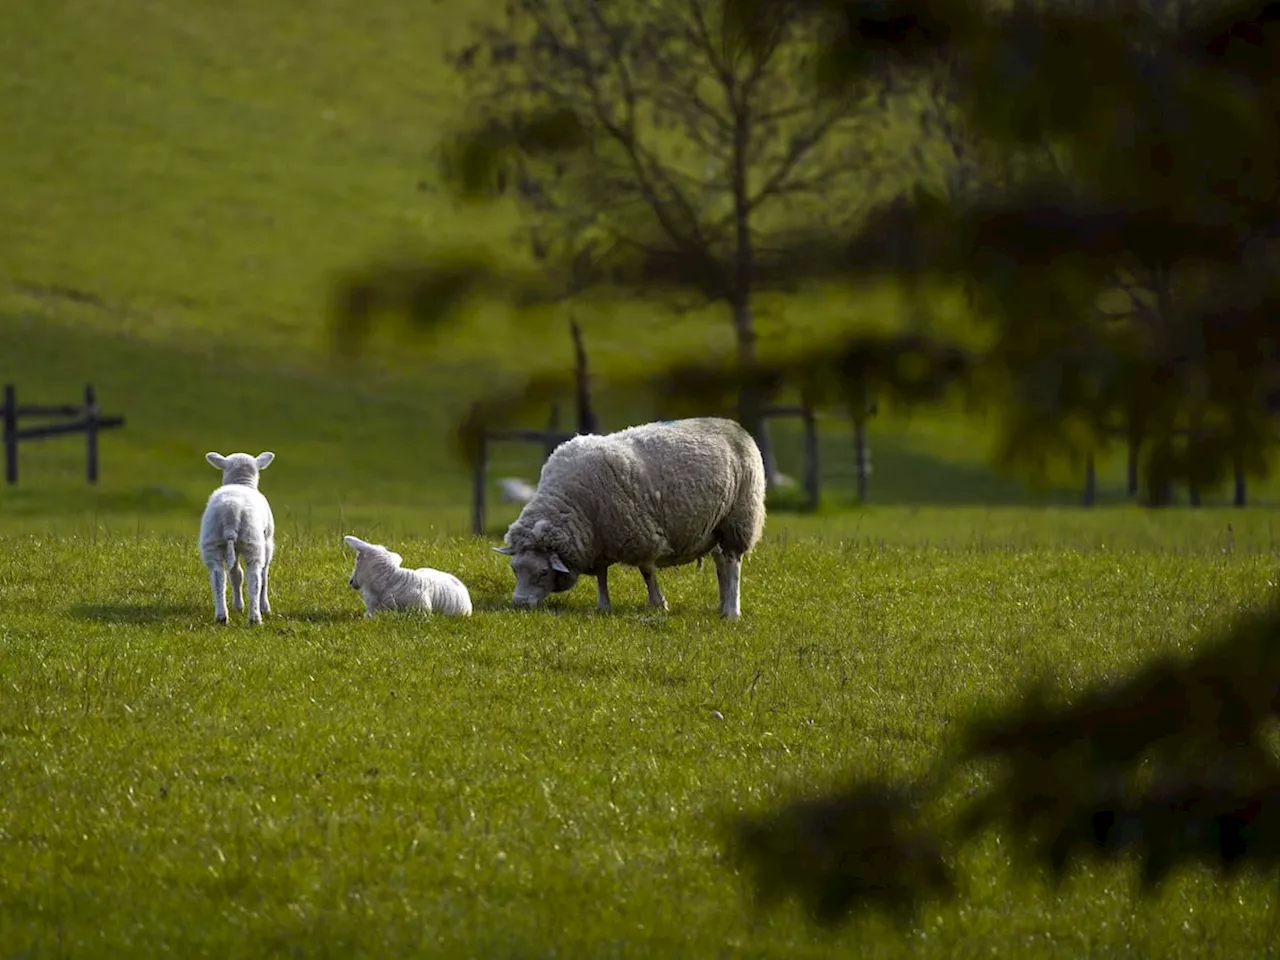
(182,185)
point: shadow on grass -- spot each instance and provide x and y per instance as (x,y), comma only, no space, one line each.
(137,612)
(351,615)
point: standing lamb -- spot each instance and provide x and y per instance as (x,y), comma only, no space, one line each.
(655,495)
(386,585)
(238,515)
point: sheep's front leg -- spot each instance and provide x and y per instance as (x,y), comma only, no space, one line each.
(218,581)
(656,599)
(237,596)
(728,578)
(602,592)
(253,580)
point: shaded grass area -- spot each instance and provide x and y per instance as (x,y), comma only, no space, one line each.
(552,783)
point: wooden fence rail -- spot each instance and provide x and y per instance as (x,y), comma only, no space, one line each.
(87,419)
(553,436)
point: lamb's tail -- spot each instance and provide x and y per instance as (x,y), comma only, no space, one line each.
(231,549)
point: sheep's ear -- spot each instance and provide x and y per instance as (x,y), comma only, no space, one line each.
(355,543)
(395,558)
(264,460)
(557,564)
(506,550)
(218,460)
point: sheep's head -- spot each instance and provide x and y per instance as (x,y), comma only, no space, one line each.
(538,573)
(240,467)
(368,556)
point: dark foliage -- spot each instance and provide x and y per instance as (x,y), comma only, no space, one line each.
(848,850)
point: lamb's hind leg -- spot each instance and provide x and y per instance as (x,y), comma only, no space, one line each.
(218,581)
(656,599)
(253,581)
(236,576)
(265,603)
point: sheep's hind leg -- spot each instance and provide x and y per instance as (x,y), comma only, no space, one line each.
(236,576)
(728,578)
(656,599)
(603,605)
(253,580)
(218,581)
(264,604)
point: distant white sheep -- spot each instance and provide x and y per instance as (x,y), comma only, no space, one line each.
(515,490)
(238,516)
(657,495)
(386,585)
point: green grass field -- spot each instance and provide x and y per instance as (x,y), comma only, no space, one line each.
(181,187)
(552,783)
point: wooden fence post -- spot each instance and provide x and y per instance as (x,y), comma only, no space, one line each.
(478,484)
(861,465)
(10,433)
(1132,473)
(812,471)
(91,433)
(553,426)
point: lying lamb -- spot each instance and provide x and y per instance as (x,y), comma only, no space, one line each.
(238,515)
(386,585)
(515,490)
(656,495)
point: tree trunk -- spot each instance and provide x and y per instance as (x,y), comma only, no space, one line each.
(750,402)
(587,421)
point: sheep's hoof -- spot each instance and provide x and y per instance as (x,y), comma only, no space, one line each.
(604,610)
(221,620)
(255,620)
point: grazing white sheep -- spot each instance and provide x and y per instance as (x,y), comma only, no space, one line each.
(656,495)
(386,585)
(515,490)
(238,527)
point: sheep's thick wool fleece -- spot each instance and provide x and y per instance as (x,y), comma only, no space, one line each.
(661,493)
(392,587)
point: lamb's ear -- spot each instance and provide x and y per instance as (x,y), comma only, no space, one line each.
(395,558)
(557,564)
(264,460)
(355,543)
(218,461)
(505,549)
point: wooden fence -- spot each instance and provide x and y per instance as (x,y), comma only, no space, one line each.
(553,436)
(1240,491)
(86,419)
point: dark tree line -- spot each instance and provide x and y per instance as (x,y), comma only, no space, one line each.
(1101,178)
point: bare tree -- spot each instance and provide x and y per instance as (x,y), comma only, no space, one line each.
(708,147)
